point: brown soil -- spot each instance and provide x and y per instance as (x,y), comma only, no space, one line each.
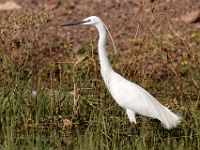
(159,17)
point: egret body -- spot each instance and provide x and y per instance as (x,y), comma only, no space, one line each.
(130,96)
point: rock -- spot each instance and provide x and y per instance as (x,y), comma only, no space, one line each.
(10,5)
(51,5)
(192,17)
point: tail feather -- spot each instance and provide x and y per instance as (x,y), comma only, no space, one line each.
(169,119)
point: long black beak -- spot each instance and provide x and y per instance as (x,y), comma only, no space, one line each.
(75,23)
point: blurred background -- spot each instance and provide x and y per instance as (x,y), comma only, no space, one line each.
(52,95)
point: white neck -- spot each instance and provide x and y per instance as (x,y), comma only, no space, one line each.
(104,62)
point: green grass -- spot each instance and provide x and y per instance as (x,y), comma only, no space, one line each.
(73,109)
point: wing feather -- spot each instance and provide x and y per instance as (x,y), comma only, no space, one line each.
(131,96)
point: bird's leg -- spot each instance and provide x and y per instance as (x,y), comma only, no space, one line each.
(131,115)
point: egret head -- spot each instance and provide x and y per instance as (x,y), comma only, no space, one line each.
(92,20)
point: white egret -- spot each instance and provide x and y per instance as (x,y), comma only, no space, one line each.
(130,96)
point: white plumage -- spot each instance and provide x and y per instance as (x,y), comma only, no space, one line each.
(130,96)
